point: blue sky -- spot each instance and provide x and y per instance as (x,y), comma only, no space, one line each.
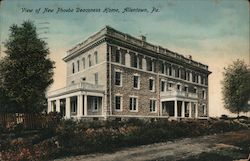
(215,32)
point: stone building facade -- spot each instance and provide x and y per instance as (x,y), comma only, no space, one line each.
(114,75)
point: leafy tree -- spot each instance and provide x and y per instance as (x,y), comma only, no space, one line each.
(25,71)
(236,87)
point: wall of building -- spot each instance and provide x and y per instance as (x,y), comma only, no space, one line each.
(87,74)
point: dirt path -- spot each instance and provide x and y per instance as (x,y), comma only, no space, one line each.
(176,150)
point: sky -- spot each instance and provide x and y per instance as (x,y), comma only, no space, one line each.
(214,32)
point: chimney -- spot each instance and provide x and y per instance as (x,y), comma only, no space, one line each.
(142,37)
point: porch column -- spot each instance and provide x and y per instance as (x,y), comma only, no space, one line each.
(49,106)
(190,109)
(182,109)
(175,108)
(58,105)
(196,110)
(85,105)
(67,108)
(79,106)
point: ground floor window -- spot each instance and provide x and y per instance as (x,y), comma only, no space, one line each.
(95,103)
(152,107)
(133,104)
(118,103)
(204,110)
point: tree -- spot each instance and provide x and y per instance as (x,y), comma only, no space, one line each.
(25,71)
(236,87)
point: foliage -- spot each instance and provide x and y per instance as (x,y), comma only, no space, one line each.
(236,87)
(25,71)
(71,137)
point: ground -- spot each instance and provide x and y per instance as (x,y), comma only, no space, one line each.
(224,147)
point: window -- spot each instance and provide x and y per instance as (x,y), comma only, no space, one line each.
(96,57)
(90,63)
(178,87)
(203,94)
(186,89)
(96,78)
(163,86)
(170,71)
(73,68)
(118,78)
(162,68)
(193,77)
(135,61)
(170,85)
(136,82)
(204,110)
(150,65)
(152,107)
(151,84)
(118,56)
(118,103)
(73,105)
(133,103)
(95,102)
(195,90)
(177,72)
(83,63)
(78,65)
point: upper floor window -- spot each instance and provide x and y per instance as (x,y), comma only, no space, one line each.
(195,90)
(177,72)
(170,71)
(90,62)
(96,57)
(118,56)
(152,107)
(73,68)
(162,68)
(203,94)
(151,84)
(163,85)
(135,61)
(136,81)
(96,78)
(133,104)
(118,78)
(78,65)
(83,63)
(150,65)
(118,103)
(178,87)
(186,89)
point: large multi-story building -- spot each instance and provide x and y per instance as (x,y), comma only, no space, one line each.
(114,75)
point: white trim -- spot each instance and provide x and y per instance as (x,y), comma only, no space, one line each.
(151,78)
(118,71)
(139,81)
(137,100)
(155,108)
